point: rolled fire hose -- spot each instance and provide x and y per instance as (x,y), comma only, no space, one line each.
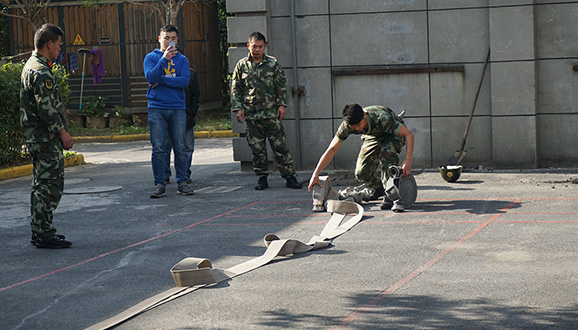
(400,188)
(191,274)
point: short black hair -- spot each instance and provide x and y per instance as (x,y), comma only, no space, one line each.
(169,28)
(257,36)
(47,32)
(352,114)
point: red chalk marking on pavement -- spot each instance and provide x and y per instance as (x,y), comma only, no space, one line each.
(418,222)
(536,213)
(282,202)
(227,214)
(536,221)
(495,199)
(124,248)
(277,216)
(262,224)
(384,294)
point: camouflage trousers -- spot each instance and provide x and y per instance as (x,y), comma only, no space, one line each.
(47,186)
(258,131)
(374,153)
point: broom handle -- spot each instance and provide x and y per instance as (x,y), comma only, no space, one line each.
(475,101)
(82,81)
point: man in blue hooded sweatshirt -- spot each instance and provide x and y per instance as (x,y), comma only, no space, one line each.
(167,72)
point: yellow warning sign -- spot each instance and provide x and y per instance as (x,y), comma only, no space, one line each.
(78,40)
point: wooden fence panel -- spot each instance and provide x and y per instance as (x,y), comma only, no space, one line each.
(23,38)
(141,34)
(201,39)
(99,27)
(94,26)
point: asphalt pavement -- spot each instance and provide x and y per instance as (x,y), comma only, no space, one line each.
(495,250)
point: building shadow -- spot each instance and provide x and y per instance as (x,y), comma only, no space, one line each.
(429,312)
(467,206)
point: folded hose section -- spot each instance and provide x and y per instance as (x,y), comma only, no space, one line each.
(191,274)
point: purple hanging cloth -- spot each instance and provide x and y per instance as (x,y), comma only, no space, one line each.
(97,62)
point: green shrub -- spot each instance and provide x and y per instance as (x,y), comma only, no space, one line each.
(10,131)
(11,139)
(61,77)
(95,106)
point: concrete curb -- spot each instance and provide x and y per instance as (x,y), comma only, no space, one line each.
(143,137)
(23,170)
(111,138)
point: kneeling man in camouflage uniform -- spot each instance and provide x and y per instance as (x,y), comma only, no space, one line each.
(383,135)
(259,96)
(44,128)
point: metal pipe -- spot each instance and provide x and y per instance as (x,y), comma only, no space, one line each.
(296,91)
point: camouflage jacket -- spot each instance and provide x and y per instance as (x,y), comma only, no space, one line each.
(258,88)
(381,121)
(41,111)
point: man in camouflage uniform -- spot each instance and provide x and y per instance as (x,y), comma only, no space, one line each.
(384,135)
(44,129)
(259,96)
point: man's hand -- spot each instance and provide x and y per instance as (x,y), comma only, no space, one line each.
(281,112)
(314,181)
(324,161)
(409,140)
(66,139)
(240,115)
(170,52)
(153,86)
(406,168)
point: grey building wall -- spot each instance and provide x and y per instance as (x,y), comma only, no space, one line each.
(425,57)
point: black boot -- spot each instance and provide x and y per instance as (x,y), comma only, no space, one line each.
(398,206)
(386,204)
(34,239)
(55,243)
(292,183)
(377,192)
(262,183)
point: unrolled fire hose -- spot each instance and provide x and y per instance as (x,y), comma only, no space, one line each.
(191,274)
(400,190)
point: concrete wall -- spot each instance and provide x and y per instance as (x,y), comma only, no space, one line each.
(527,112)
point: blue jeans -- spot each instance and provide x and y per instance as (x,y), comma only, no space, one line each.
(189,149)
(169,124)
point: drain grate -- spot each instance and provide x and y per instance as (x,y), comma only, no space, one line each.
(217,189)
(91,190)
(77,180)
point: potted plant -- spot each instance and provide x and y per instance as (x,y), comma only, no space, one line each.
(94,110)
(117,118)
